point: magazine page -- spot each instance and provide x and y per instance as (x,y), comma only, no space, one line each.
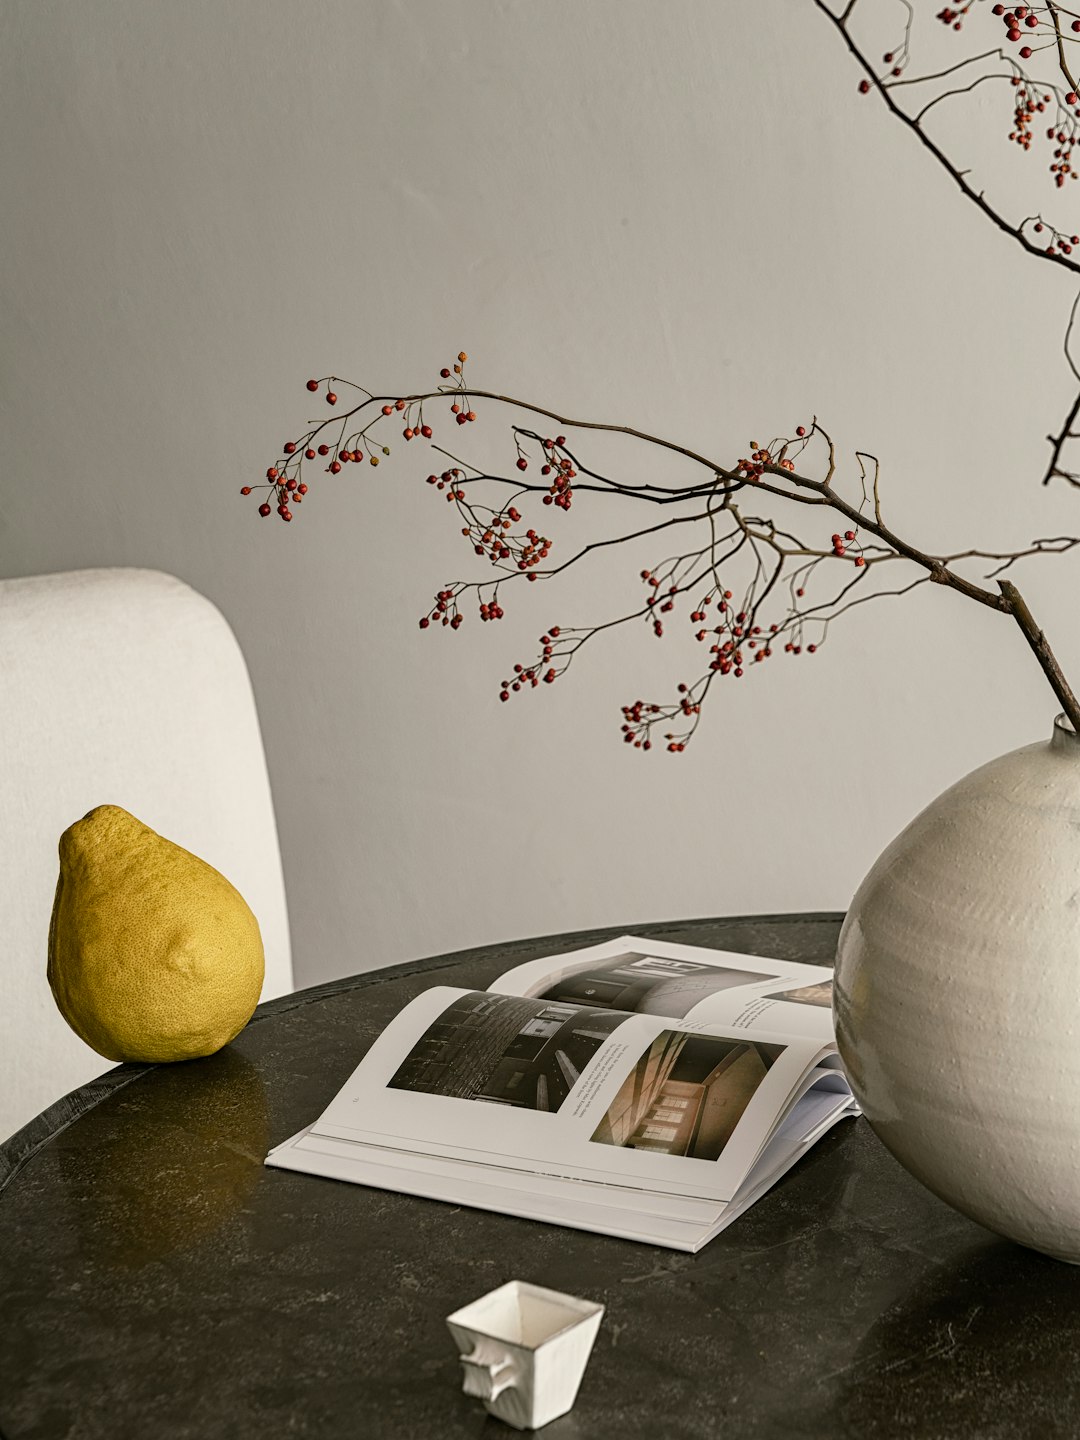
(581,1092)
(683,982)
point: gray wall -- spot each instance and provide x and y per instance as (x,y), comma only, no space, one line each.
(640,212)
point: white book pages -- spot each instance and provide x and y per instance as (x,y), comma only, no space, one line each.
(651,1219)
(627,1089)
(578,1209)
(631,1201)
(641,1089)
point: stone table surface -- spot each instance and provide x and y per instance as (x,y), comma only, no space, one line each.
(158,1283)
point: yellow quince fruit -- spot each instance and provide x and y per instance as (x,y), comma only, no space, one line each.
(153,955)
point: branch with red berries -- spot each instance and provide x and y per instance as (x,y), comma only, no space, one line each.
(759,554)
(1045,34)
(749,588)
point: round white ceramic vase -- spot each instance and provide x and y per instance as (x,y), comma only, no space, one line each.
(958,995)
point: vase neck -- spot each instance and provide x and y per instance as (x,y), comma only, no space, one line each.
(1064,737)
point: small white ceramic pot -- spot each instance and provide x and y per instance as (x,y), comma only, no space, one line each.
(524,1350)
(957,995)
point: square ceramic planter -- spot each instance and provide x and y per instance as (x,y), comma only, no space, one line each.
(524,1350)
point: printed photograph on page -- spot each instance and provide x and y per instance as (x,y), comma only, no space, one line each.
(650,985)
(506,1051)
(686,1095)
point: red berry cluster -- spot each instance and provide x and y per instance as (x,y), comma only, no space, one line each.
(638,719)
(493,540)
(734,630)
(459,388)
(1025,23)
(954,18)
(760,456)
(284,477)
(658,604)
(560,468)
(840,545)
(1059,244)
(1025,108)
(447,481)
(287,487)
(412,413)
(736,640)
(730,639)
(897,61)
(1017,21)
(1020,22)
(531,675)
(1061,166)
(444,611)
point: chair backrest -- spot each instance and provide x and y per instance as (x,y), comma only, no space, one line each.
(119,687)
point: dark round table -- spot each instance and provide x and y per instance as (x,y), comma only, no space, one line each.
(157,1282)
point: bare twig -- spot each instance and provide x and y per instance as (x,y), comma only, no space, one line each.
(1035,637)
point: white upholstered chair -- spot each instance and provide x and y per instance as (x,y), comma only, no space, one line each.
(119,687)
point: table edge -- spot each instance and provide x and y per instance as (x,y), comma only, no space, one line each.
(19,1149)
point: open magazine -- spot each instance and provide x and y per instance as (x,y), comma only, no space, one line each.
(640,1089)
